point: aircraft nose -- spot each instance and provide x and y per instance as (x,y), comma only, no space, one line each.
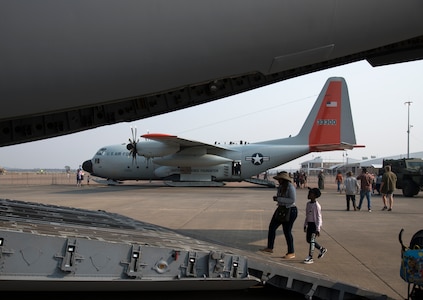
(87,166)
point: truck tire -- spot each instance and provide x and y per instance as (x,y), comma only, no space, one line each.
(409,188)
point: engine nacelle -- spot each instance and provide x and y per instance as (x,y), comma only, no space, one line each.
(156,149)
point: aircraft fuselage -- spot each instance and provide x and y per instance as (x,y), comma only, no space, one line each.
(242,161)
(68,66)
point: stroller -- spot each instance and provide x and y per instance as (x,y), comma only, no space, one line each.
(412,265)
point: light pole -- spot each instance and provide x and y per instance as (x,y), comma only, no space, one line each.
(408,128)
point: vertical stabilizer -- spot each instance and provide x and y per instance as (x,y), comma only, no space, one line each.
(329,125)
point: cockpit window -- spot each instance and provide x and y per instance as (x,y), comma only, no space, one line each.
(102,151)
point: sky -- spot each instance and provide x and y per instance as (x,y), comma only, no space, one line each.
(377,95)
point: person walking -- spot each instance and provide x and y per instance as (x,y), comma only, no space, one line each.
(378,182)
(351,189)
(79,177)
(285,198)
(321,180)
(339,180)
(312,225)
(366,182)
(387,187)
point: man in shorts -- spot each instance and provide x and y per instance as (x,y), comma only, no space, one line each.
(387,187)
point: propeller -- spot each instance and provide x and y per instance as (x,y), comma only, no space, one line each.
(132,146)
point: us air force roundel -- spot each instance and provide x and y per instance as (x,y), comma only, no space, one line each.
(257,158)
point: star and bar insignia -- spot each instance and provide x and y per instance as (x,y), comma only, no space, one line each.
(257,158)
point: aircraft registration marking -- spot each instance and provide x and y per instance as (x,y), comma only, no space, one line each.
(326,122)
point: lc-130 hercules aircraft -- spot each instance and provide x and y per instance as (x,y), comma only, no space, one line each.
(181,162)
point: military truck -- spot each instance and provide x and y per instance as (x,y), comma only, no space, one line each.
(409,173)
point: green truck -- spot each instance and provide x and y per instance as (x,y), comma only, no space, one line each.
(409,173)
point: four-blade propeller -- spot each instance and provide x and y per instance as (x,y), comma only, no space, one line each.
(132,146)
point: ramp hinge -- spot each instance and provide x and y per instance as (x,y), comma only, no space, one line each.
(236,267)
(3,250)
(70,257)
(190,267)
(135,266)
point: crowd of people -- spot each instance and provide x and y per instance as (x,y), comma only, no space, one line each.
(366,185)
(300,179)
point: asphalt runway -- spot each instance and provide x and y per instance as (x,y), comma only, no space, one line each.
(363,247)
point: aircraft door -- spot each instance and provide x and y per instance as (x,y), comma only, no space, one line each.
(236,168)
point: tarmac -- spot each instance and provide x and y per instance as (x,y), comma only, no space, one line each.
(363,247)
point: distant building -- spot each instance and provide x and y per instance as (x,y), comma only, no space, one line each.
(312,167)
(374,164)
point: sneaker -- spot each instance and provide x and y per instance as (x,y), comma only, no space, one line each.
(322,252)
(358,207)
(289,256)
(308,260)
(384,208)
(390,209)
(370,210)
(267,250)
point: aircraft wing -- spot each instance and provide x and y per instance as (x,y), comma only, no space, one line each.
(184,143)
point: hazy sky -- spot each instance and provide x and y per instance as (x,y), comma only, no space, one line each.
(377,101)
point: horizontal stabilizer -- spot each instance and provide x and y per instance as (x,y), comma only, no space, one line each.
(333,147)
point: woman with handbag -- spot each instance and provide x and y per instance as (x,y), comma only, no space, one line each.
(285,214)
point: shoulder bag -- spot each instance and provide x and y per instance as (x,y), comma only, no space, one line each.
(282,213)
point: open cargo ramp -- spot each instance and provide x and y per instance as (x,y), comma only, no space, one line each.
(54,248)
